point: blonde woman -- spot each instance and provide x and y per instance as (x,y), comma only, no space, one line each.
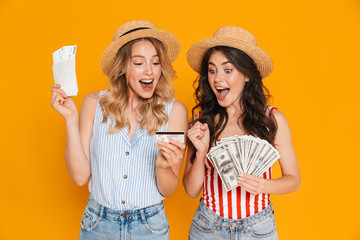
(112,143)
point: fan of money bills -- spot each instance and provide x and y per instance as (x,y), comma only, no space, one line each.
(241,154)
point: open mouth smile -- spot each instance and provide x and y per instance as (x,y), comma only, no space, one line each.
(147,84)
(222,92)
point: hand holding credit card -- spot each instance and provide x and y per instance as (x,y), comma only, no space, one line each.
(166,136)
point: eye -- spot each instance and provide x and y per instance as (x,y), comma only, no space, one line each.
(228,70)
(212,71)
(138,63)
(156,63)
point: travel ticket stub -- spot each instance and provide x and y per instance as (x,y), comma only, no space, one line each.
(166,136)
(64,53)
(64,69)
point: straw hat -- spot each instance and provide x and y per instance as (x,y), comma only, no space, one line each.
(232,37)
(138,29)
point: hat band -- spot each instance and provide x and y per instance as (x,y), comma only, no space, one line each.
(133,30)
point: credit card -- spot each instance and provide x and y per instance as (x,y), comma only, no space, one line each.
(166,136)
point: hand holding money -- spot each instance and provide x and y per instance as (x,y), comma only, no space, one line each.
(247,154)
(253,185)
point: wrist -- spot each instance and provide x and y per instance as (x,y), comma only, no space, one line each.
(266,186)
(161,167)
(74,119)
(201,153)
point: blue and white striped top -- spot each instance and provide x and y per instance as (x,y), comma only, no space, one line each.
(123,171)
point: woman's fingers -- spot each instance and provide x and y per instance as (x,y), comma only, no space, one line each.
(61,92)
(196,134)
(173,145)
(173,151)
(248,187)
(58,95)
(177,144)
(57,100)
(56,88)
(204,126)
(197,131)
(252,184)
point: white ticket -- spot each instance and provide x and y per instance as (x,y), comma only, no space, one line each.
(64,69)
(64,53)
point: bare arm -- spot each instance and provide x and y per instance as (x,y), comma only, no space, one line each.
(171,155)
(290,179)
(79,132)
(193,179)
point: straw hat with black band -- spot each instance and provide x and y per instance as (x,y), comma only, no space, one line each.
(235,37)
(134,30)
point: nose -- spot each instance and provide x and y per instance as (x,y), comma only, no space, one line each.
(218,77)
(148,69)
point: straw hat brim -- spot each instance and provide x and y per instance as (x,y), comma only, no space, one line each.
(262,59)
(171,44)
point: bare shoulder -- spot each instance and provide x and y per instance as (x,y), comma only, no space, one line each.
(178,107)
(279,117)
(92,96)
(178,115)
(88,106)
(283,134)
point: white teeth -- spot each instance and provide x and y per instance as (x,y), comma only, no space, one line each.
(147,81)
(220,89)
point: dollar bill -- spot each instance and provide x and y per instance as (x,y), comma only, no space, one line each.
(227,169)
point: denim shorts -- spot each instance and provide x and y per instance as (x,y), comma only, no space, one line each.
(99,222)
(208,225)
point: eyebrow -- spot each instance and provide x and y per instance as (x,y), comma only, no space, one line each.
(210,63)
(143,56)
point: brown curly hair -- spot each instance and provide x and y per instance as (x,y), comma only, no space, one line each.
(253,100)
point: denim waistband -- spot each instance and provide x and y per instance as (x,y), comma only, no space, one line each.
(227,223)
(126,215)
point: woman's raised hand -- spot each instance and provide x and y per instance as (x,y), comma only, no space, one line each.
(62,103)
(199,135)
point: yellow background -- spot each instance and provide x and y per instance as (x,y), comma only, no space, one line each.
(315,83)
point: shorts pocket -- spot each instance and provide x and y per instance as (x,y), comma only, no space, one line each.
(157,223)
(90,220)
(264,228)
(201,222)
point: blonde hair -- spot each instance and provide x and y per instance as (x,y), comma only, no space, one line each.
(151,111)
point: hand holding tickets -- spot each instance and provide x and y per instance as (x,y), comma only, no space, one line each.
(167,136)
(64,69)
(241,154)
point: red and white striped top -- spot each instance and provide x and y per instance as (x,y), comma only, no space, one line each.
(236,203)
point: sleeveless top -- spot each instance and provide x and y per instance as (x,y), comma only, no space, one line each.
(123,171)
(236,203)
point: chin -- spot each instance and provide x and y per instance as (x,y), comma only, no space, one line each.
(147,95)
(225,104)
